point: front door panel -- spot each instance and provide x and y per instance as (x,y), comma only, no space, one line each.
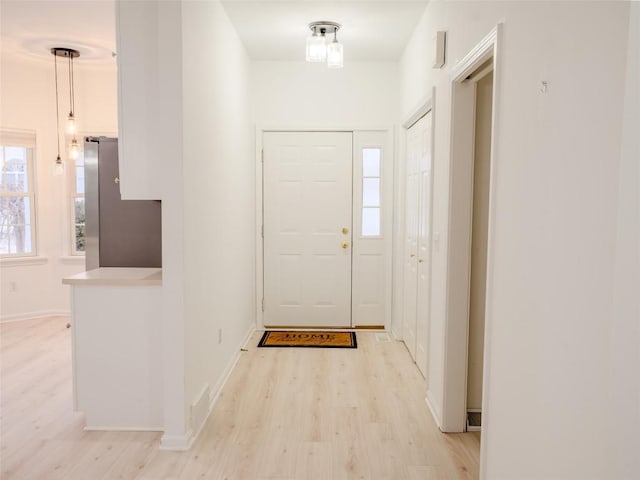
(307,204)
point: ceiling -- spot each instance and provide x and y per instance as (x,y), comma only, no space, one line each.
(371,30)
(32,28)
(270,30)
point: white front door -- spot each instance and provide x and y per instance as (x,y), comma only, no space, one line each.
(307,208)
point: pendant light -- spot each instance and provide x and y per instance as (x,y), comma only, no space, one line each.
(317,48)
(335,58)
(71,129)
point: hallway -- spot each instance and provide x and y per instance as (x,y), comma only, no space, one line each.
(284,413)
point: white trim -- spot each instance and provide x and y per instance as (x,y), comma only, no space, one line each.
(184,442)
(23,317)
(18,137)
(456,325)
(22,261)
(423,108)
(94,428)
(399,201)
(214,393)
(177,442)
(431,404)
(482,52)
(259,267)
(488,313)
(323,128)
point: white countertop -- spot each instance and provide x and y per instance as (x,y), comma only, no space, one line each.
(117,276)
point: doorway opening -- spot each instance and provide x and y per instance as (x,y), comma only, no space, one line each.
(470,237)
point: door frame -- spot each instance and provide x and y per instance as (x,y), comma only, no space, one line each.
(459,236)
(259,201)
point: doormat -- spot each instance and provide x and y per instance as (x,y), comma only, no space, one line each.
(292,338)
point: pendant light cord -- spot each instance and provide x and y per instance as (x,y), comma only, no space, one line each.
(73,88)
(70,64)
(55,63)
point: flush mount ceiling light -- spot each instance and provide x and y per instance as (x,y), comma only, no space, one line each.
(317,48)
(71,129)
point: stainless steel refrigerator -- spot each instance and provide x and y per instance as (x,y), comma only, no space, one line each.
(119,233)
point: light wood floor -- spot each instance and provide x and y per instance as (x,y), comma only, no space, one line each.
(317,414)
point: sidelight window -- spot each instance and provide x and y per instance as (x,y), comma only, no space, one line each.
(371,176)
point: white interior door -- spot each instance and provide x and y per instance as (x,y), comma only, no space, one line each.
(424,243)
(417,272)
(307,207)
(412,218)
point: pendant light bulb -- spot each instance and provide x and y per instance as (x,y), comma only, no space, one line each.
(58,167)
(74,150)
(335,57)
(72,128)
(316,47)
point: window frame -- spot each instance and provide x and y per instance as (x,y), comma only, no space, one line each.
(362,179)
(73,195)
(24,139)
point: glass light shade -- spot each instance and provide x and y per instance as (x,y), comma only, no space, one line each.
(335,58)
(74,150)
(71,124)
(58,167)
(316,48)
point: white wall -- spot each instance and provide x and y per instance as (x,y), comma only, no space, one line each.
(27,96)
(149,42)
(557,175)
(624,340)
(301,94)
(219,196)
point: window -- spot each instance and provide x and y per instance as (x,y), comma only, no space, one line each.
(371,192)
(17,194)
(77,206)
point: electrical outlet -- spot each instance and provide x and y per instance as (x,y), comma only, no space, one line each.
(219,335)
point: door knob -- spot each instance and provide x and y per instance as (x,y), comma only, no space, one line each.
(345,245)
(420,260)
(345,230)
(412,255)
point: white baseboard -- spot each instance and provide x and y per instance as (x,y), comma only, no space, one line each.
(217,388)
(184,442)
(177,442)
(433,409)
(19,317)
(91,428)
